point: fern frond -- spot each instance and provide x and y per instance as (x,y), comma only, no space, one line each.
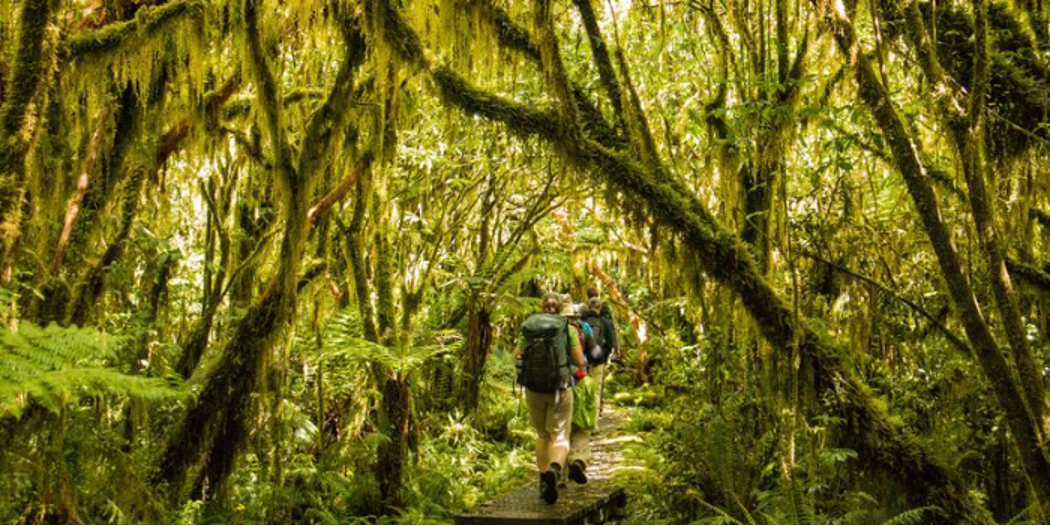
(914,515)
(343,339)
(54,365)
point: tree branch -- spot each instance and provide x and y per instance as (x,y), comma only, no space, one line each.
(1030,274)
(94,149)
(339,192)
(148,22)
(953,338)
(1000,374)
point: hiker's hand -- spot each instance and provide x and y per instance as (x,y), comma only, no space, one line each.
(581,373)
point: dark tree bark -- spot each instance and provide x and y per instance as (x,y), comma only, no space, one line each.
(475,353)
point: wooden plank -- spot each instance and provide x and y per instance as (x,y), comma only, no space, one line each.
(577,504)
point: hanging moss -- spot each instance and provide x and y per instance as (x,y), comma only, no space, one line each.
(1019,80)
(509,33)
(885,442)
(334,113)
(22,83)
(242,106)
(24,77)
(205,449)
(93,283)
(148,22)
(998,371)
(455,90)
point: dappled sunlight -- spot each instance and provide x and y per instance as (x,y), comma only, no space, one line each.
(269,261)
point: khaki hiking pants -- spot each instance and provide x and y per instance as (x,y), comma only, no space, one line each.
(551,417)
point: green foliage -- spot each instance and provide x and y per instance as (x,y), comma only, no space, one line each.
(484,197)
(55,366)
(344,339)
(913,516)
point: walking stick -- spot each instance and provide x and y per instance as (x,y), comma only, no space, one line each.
(601,394)
(518,393)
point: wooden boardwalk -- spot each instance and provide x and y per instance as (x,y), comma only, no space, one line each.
(597,502)
(577,504)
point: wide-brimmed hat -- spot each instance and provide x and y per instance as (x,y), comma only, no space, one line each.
(567,307)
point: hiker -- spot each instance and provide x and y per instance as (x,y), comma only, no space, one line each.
(603,311)
(548,344)
(599,317)
(582,425)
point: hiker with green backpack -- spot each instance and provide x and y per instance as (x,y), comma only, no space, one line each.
(547,345)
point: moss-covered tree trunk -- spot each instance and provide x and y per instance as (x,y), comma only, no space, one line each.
(475,353)
(998,371)
(23,82)
(967,129)
(394,411)
(394,422)
(354,237)
(217,425)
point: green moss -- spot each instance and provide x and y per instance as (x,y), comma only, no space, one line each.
(1018,83)
(385,290)
(216,426)
(395,32)
(25,73)
(242,106)
(25,77)
(148,22)
(508,33)
(455,90)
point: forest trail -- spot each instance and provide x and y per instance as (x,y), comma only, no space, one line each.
(596,502)
(607,445)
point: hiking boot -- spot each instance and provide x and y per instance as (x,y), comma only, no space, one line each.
(578,472)
(549,487)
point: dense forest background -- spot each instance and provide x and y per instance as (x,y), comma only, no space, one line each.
(264,260)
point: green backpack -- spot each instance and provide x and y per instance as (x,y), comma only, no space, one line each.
(585,405)
(545,362)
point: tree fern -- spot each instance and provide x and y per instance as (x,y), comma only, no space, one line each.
(344,339)
(52,365)
(915,515)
